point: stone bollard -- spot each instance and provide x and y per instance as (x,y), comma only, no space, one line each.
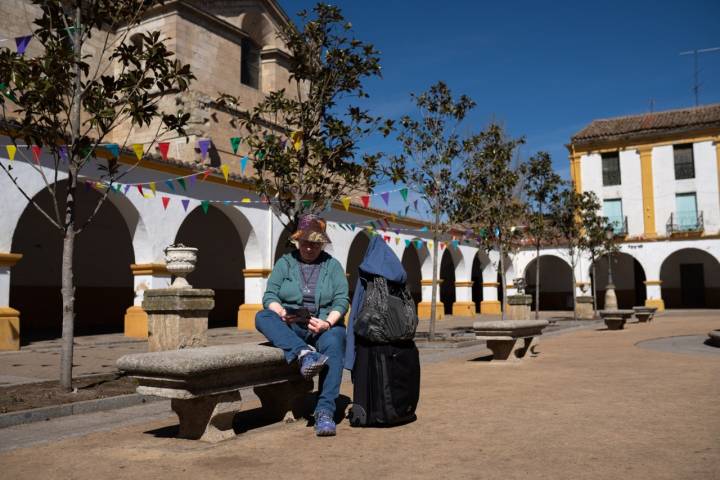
(584,307)
(177,317)
(518,307)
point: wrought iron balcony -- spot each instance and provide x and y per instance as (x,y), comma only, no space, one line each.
(685,222)
(619,226)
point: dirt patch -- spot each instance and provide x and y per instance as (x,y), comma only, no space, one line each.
(46,394)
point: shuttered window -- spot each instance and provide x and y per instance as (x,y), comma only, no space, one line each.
(611,168)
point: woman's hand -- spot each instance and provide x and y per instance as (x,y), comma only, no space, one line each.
(277,308)
(317,326)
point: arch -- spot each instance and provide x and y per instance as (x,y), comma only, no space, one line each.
(220,263)
(101,266)
(690,279)
(477,279)
(411,264)
(356,253)
(628,277)
(447,275)
(556,283)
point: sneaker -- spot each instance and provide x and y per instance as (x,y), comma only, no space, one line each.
(311,364)
(324,424)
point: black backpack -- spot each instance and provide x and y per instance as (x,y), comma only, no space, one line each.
(387,313)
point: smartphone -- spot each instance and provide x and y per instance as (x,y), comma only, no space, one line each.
(297,315)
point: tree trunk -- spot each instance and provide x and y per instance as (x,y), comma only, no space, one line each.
(502,279)
(537,281)
(574,290)
(433,294)
(594,290)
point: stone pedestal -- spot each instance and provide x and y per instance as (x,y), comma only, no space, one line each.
(9,329)
(610,298)
(424,310)
(490,307)
(463,309)
(518,307)
(584,307)
(177,318)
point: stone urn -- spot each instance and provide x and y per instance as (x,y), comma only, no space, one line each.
(180,261)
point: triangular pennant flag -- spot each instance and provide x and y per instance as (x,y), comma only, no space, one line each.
(225,171)
(191,181)
(117,188)
(170,185)
(386,238)
(306,204)
(37,151)
(424,229)
(205,175)
(245,200)
(260,154)
(165,201)
(397,240)
(204,146)
(125,190)
(243,164)
(442,245)
(404,193)
(11,150)
(353,226)
(153,188)
(185,203)
(430,245)
(386,198)
(22,43)
(139,150)
(346,203)
(164,147)
(235,143)
(181,181)
(139,187)
(297,140)
(264,199)
(455,243)
(418,244)
(114,149)
(64,153)
(365,200)
(205,205)
(407,243)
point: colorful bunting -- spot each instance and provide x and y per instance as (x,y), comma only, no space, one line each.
(365,200)
(37,151)
(113,149)
(404,194)
(22,43)
(225,171)
(153,188)
(164,147)
(407,243)
(191,181)
(386,198)
(11,150)
(165,202)
(185,202)
(170,185)
(205,175)
(245,200)
(243,164)
(139,187)
(139,150)
(296,138)
(346,203)
(64,153)
(205,205)
(235,143)
(204,146)
(125,190)
(181,181)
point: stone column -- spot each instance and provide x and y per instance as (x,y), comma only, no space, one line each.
(255,284)
(464,305)
(424,306)
(147,276)
(9,317)
(177,317)
(490,304)
(654,295)
(518,307)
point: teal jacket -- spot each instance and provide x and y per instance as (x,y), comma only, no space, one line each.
(331,292)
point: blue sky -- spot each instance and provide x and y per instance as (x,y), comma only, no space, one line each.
(543,69)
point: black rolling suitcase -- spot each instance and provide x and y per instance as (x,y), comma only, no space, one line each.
(386,383)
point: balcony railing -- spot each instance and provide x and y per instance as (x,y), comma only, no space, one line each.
(619,226)
(682,222)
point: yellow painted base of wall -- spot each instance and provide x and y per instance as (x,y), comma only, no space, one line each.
(9,329)
(490,307)
(464,309)
(246,316)
(424,310)
(655,302)
(136,322)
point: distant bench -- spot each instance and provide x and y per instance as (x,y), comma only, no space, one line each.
(204,383)
(501,336)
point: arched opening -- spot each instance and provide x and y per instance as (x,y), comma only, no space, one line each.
(284,245)
(628,277)
(690,279)
(356,253)
(220,263)
(447,287)
(556,283)
(101,268)
(411,264)
(477,286)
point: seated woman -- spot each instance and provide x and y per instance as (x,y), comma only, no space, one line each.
(304,305)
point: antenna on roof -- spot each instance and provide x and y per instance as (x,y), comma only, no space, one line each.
(696,86)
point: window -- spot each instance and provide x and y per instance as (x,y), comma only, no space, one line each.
(684,164)
(686,211)
(612,209)
(250,63)
(611,168)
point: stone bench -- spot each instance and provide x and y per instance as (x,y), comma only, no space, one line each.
(203,384)
(615,319)
(714,338)
(501,336)
(644,314)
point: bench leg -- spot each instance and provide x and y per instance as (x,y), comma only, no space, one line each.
(208,418)
(502,349)
(287,400)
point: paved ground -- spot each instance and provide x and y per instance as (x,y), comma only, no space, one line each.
(592,405)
